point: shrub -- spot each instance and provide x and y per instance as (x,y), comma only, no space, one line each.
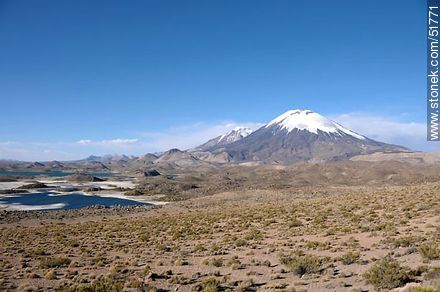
(26,287)
(294,222)
(54,262)
(430,251)
(349,258)
(313,244)
(40,252)
(245,285)
(233,261)
(301,264)
(199,248)
(210,284)
(406,241)
(240,242)
(217,262)
(50,275)
(423,289)
(254,234)
(100,285)
(387,273)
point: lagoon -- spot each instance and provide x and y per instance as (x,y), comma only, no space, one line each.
(49,200)
(52,173)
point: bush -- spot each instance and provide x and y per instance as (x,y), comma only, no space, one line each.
(26,287)
(294,222)
(40,252)
(254,234)
(210,284)
(199,248)
(217,262)
(50,275)
(349,258)
(387,273)
(233,261)
(301,264)
(54,262)
(423,289)
(100,285)
(240,242)
(406,241)
(430,251)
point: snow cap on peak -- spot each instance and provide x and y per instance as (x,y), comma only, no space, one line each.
(311,122)
(236,134)
(244,131)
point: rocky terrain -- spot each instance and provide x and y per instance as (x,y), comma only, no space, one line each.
(296,238)
(301,204)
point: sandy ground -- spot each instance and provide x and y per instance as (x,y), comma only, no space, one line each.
(312,239)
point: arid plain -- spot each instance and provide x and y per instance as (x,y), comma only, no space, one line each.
(338,226)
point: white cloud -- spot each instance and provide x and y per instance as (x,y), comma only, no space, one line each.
(389,130)
(120,141)
(189,136)
(114,142)
(84,142)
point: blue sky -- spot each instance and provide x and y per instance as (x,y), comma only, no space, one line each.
(96,77)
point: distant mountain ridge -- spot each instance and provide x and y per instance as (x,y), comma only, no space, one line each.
(110,157)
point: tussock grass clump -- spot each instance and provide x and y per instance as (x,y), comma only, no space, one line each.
(387,273)
(217,262)
(316,245)
(54,262)
(210,284)
(294,222)
(199,248)
(240,242)
(423,289)
(254,234)
(50,275)
(349,257)
(100,285)
(26,287)
(430,251)
(406,241)
(40,252)
(301,263)
(233,261)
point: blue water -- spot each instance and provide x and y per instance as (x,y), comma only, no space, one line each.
(71,201)
(51,173)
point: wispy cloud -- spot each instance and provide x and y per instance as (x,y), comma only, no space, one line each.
(84,142)
(389,130)
(114,142)
(189,136)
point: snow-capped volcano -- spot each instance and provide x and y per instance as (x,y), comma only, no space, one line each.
(235,135)
(310,121)
(298,135)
